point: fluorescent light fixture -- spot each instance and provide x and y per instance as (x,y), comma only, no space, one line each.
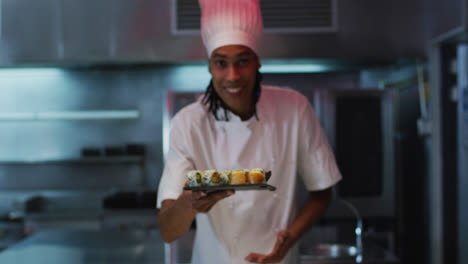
(37,73)
(88,115)
(17,116)
(201,71)
(293,68)
(71,115)
(189,78)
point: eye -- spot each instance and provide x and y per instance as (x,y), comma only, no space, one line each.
(244,62)
(220,63)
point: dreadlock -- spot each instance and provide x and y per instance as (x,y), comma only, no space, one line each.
(212,99)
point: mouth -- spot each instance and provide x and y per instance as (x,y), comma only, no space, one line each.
(233,90)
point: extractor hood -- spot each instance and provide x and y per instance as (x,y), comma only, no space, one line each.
(70,32)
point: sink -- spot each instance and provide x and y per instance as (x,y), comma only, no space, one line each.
(328,251)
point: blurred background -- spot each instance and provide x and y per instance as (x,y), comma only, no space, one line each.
(88,90)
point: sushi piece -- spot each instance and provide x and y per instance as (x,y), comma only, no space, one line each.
(225,177)
(211,178)
(239,177)
(256,176)
(194,178)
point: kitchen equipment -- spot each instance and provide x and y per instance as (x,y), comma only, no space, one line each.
(91,152)
(114,151)
(335,253)
(361,131)
(11,231)
(330,251)
(36,204)
(129,210)
(130,200)
(134,149)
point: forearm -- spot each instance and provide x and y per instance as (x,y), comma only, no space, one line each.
(175,218)
(310,213)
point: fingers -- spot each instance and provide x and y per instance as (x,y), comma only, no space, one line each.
(198,195)
(203,207)
(221,194)
(202,202)
(277,254)
(255,257)
(260,258)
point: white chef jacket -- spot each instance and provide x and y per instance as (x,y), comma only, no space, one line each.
(286,139)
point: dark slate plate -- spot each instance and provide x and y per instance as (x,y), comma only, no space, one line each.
(239,187)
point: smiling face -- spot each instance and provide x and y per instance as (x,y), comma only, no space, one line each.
(234,70)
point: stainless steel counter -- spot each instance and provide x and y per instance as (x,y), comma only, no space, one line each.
(87,246)
(74,246)
(371,254)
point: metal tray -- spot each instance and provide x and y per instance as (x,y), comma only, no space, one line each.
(237,187)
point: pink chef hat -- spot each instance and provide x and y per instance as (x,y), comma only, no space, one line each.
(230,22)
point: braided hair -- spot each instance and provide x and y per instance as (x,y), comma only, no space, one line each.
(212,99)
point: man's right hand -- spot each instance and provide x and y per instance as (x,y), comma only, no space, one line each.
(202,202)
(176,216)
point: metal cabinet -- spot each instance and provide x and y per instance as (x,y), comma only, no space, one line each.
(443,18)
(29,31)
(86,29)
(142,31)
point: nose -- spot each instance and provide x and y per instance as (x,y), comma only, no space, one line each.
(233,73)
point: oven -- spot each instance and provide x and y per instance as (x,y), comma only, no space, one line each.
(359,125)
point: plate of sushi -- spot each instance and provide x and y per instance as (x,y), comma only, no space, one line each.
(213,180)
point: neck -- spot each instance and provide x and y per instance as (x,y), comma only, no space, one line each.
(246,115)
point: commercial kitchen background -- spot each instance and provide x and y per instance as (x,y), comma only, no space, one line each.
(397,69)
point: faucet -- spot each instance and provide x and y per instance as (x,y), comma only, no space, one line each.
(358,230)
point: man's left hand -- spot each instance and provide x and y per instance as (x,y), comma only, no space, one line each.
(283,242)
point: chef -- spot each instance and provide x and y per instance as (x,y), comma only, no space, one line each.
(240,123)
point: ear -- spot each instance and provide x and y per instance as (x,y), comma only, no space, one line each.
(209,66)
(259,65)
